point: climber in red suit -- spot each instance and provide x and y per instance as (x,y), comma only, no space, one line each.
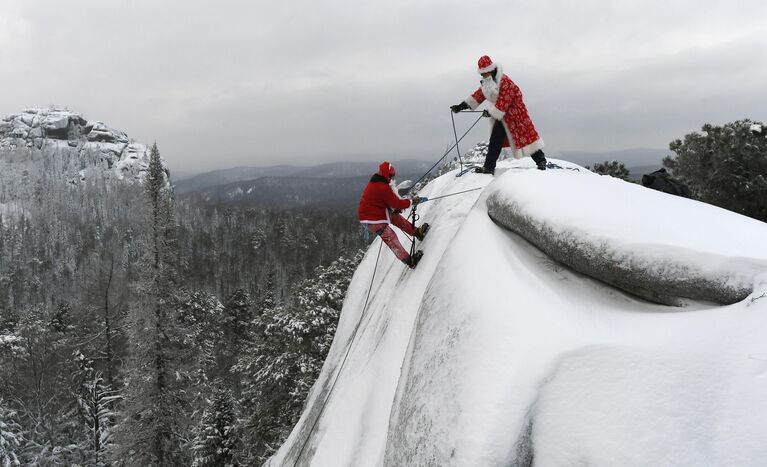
(380,206)
(511,124)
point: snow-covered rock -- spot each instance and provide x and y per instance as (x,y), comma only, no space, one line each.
(108,151)
(491,353)
(658,246)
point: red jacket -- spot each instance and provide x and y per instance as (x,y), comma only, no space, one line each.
(377,199)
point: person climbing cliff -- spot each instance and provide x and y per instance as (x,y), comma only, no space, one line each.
(380,206)
(511,125)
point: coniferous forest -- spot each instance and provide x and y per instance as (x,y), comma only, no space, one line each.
(137,329)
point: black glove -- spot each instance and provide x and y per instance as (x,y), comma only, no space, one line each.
(458,107)
(486,113)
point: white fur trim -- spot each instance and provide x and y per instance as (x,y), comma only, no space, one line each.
(495,113)
(471,102)
(499,74)
(528,150)
(382,221)
(487,69)
(519,153)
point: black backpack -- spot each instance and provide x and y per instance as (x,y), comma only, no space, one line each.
(660,180)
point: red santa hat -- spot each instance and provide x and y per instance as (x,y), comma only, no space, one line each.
(485,64)
(386,170)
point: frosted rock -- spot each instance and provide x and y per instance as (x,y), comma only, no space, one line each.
(490,353)
(663,248)
(56,122)
(27,119)
(36,132)
(101,132)
(64,132)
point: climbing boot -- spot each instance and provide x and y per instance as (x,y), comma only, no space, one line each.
(413,260)
(484,170)
(420,232)
(540,159)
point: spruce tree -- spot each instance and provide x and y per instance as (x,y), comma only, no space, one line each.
(725,166)
(287,350)
(216,441)
(12,439)
(612,168)
(149,434)
(95,401)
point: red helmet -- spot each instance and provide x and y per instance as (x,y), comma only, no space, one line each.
(386,170)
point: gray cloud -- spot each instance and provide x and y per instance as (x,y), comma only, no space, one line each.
(233,82)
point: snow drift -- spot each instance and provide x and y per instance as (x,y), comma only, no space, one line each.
(490,353)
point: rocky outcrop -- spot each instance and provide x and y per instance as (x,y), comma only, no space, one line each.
(595,238)
(102,149)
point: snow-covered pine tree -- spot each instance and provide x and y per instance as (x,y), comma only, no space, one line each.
(286,352)
(725,166)
(95,402)
(217,440)
(612,168)
(199,314)
(152,415)
(11,437)
(238,312)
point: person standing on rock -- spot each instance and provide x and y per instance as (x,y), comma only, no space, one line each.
(511,124)
(380,205)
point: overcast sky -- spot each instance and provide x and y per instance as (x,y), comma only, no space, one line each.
(227,83)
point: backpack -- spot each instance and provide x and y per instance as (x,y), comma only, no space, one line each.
(661,180)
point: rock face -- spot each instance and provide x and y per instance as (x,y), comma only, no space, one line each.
(663,248)
(102,149)
(490,353)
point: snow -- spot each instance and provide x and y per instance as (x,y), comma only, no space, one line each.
(490,353)
(90,140)
(11,210)
(672,245)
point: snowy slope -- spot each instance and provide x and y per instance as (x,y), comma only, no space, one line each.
(491,354)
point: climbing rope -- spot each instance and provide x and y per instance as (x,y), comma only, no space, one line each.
(453,194)
(447,152)
(455,133)
(414,217)
(343,361)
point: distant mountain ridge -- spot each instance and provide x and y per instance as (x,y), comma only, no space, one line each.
(635,157)
(332,170)
(340,183)
(639,158)
(285,192)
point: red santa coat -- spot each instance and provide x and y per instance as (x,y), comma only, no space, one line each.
(377,199)
(510,109)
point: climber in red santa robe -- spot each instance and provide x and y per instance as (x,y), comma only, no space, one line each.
(511,124)
(380,205)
